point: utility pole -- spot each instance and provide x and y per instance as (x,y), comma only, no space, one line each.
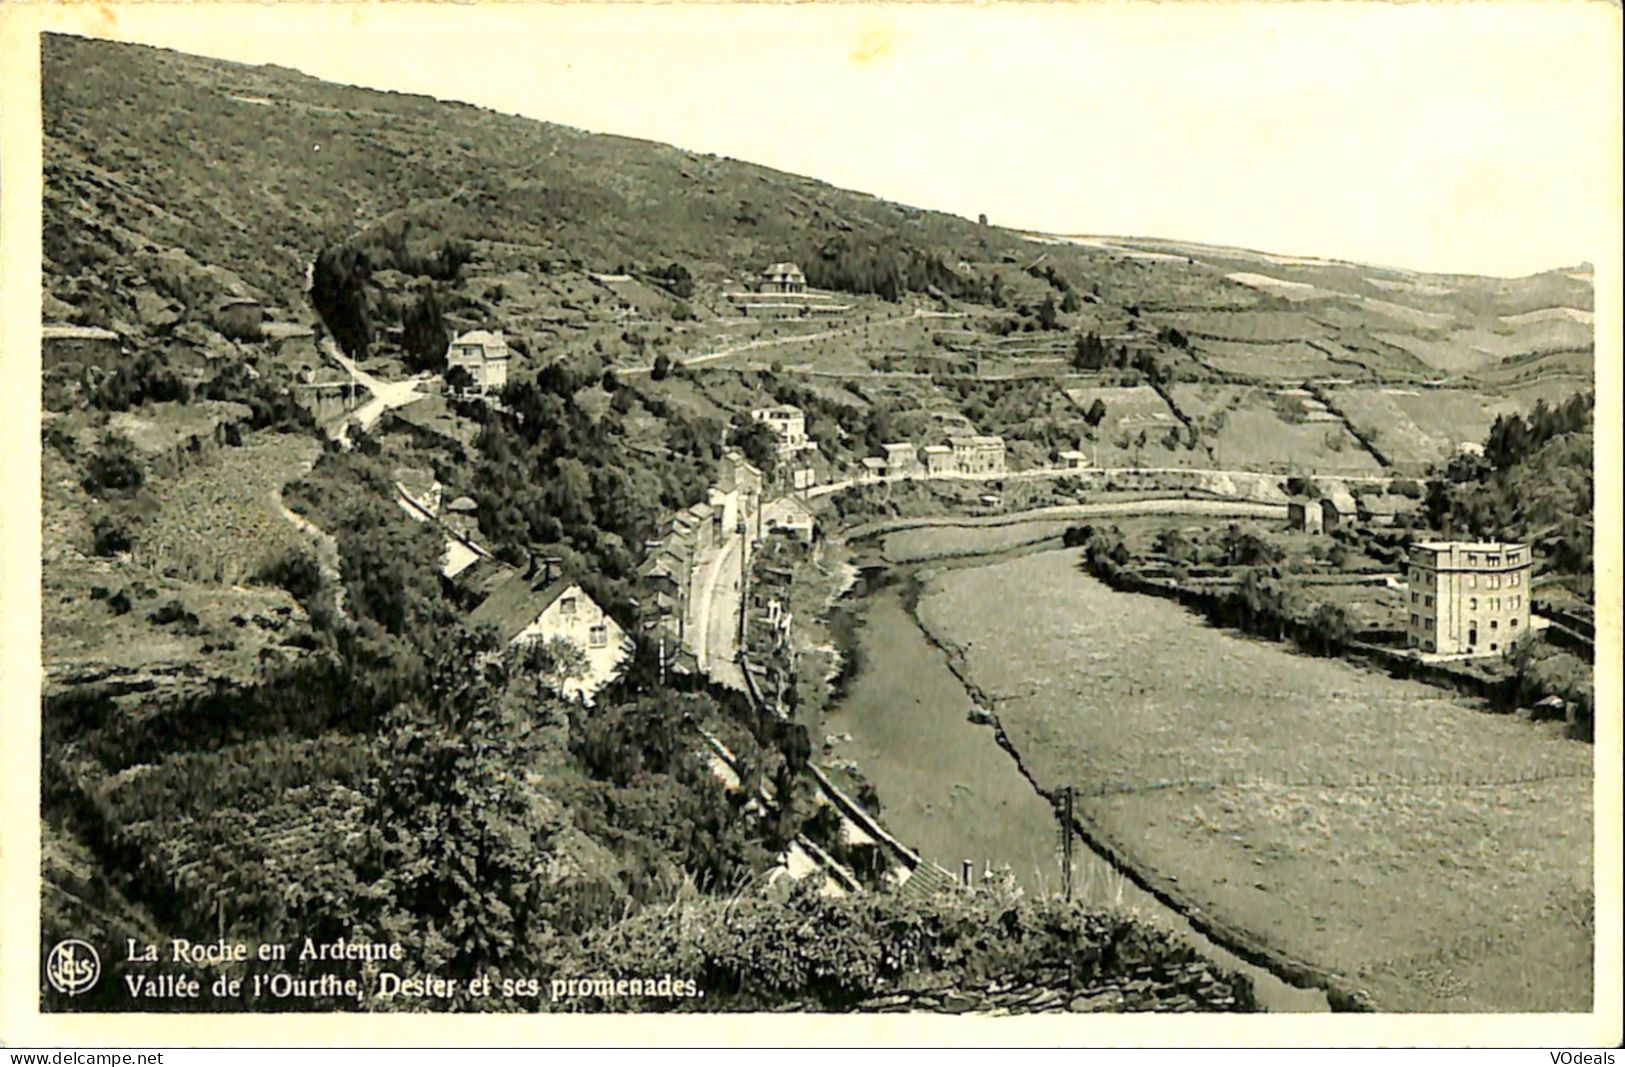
(744,577)
(1066,839)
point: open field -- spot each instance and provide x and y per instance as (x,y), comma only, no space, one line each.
(1422,426)
(219,520)
(1256,429)
(1437,856)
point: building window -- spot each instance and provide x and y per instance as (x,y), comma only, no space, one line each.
(1495,603)
(1493,646)
(1495,624)
(1495,581)
(1472,581)
(1513,624)
(567,606)
(598,637)
(1514,557)
(1427,602)
(1427,646)
(1472,559)
(1513,580)
(1415,596)
(1416,620)
(1516,603)
(1492,561)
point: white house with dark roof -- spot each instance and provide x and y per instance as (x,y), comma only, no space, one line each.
(485,355)
(782,278)
(534,608)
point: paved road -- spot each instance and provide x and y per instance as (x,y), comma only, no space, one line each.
(716,615)
(775,342)
(1219,509)
(385,395)
(1039,473)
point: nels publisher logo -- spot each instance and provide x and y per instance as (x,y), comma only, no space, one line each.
(72,967)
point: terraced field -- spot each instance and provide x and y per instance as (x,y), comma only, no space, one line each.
(1255,428)
(219,520)
(1343,816)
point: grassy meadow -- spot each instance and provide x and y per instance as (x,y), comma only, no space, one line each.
(1436,856)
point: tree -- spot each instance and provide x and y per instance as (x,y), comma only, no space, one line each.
(758,442)
(114,466)
(1046,313)
(424,335)
(1089,353)
(1096,413)
(338,289)
(662,367)
(457,848)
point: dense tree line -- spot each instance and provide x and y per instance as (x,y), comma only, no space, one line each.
(339,291)
(1533,482)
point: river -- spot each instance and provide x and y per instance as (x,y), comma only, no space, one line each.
(946,785)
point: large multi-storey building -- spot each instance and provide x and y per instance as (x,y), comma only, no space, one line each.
(1467,597)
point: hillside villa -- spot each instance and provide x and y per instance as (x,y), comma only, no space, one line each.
(537,606)
(782,278)
(485,356)
(901,458)
(789,425)
(1467,597)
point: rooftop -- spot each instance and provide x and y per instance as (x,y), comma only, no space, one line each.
(515,603)
(58,331)
(482,337)
(1469,546)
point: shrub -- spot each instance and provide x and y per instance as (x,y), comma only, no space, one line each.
(296,571)
(113,467)
(110,536)
(172,612)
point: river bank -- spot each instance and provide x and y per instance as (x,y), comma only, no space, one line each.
(948,785)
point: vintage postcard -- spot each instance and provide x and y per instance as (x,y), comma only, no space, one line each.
(1092,524)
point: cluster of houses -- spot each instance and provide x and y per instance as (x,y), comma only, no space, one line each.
(534,605)
(965,455)
(735,504)
(1340,508)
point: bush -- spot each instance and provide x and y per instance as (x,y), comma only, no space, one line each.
(296,571)
(172,612)
(110,536)
(113,467)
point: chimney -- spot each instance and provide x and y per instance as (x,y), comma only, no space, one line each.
(550,569)
(530,564)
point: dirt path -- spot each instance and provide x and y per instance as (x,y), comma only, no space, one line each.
(327,549)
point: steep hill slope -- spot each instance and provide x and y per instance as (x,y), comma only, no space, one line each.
(224,179)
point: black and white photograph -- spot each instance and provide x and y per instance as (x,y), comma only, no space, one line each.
(998,516)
